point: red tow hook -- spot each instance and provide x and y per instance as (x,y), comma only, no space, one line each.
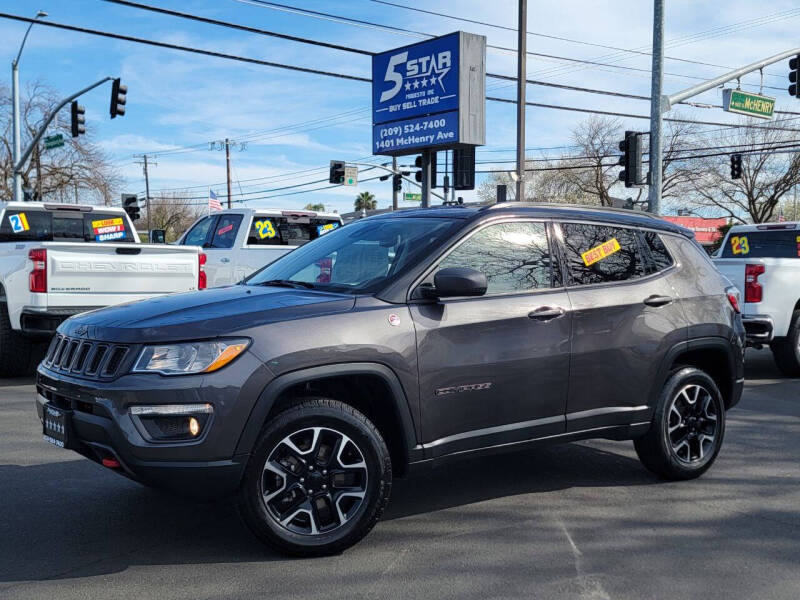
(111,463)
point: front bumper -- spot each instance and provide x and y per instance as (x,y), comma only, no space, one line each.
(759,329)
(102,427)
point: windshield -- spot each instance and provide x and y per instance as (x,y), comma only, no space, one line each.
(359,258)
(776,243)
(65,226)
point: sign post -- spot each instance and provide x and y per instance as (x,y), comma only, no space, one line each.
(429,96)
(745,103)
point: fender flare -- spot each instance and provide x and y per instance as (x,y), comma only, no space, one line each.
(704,343)
(274,388)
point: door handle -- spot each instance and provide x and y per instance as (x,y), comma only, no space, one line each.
(546,313)
(224,260)
(656,300)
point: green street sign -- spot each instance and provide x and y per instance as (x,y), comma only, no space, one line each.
(745,103)
(412,197)
(53,141)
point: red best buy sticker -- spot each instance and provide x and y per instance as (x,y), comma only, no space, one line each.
(600,252)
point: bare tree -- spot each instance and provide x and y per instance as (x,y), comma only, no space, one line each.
(173,212)
(79,168)
(768,174)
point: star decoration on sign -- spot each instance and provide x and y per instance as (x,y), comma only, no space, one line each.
(416,84)
(408,85)
(424,82)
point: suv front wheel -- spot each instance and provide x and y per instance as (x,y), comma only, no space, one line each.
(318,480)
(687,429)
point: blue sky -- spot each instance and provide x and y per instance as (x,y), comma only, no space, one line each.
(294,123)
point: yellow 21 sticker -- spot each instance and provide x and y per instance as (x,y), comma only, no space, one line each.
(740,245)
(600,252)
(265,229)
(19,222)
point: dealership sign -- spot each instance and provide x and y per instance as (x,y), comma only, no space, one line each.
(429,95)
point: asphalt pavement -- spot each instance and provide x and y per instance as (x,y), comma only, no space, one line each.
(581,520)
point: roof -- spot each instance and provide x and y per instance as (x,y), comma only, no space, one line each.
(59,206)
(547,210)
(767,226)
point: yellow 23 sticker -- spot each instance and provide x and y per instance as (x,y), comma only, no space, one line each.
(265,229)
(740,245)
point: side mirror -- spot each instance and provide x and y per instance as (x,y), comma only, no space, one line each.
(158,236)
(459,281)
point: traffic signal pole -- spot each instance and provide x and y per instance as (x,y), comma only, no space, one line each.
(394,189)
(656,112)
(522,76)
(17,167)
(426,178)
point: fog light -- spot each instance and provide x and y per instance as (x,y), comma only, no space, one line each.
(171,422)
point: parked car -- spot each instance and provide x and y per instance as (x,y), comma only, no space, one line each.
(437,334)
(241,241)
(764,261)
(58,260)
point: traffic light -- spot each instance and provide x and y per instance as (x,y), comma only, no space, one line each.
(631,159)
(130,203)
(397,181)
(736,166)
(418,165)
(794,76)
(118,99)
(464,168)
(78,119)
(337,172)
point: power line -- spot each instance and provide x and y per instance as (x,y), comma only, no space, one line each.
(549,36)
(128,38)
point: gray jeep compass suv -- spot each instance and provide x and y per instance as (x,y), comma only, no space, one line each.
(400,342)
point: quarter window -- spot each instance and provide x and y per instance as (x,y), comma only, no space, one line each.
(515,257)
(601,253)
(659,255)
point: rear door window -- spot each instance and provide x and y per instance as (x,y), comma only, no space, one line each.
(660,258)
(601,253)
(225,231)
(777,243)
(280,231)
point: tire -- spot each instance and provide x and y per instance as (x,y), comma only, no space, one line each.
(786,351)
(15,349)
(315,447)
(687,429)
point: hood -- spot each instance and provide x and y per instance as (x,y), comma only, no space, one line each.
(203,314)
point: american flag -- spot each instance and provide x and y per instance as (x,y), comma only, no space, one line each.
(213,201)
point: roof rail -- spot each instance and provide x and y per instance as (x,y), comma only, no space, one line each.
(625,211)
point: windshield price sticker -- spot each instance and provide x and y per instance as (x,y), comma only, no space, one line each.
(437,130)
(740,245)
(19,222)
(600,252)
(265,229)
(323,229)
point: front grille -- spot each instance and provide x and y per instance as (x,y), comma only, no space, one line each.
(86,358)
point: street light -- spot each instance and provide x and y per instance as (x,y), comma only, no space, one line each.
(15,113)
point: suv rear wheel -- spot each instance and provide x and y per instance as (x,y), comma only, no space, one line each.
(688,426)
(786,351)
(318,480)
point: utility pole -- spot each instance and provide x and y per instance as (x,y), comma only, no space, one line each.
(228,163)
(654,195)
(145,164)
(394,191)
(522,75)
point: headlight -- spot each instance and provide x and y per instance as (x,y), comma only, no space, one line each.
(189,357)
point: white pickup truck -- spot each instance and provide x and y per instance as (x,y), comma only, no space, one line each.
(764,262)
(57,260)
(241,241)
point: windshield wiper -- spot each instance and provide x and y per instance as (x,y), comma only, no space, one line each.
(288,283)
